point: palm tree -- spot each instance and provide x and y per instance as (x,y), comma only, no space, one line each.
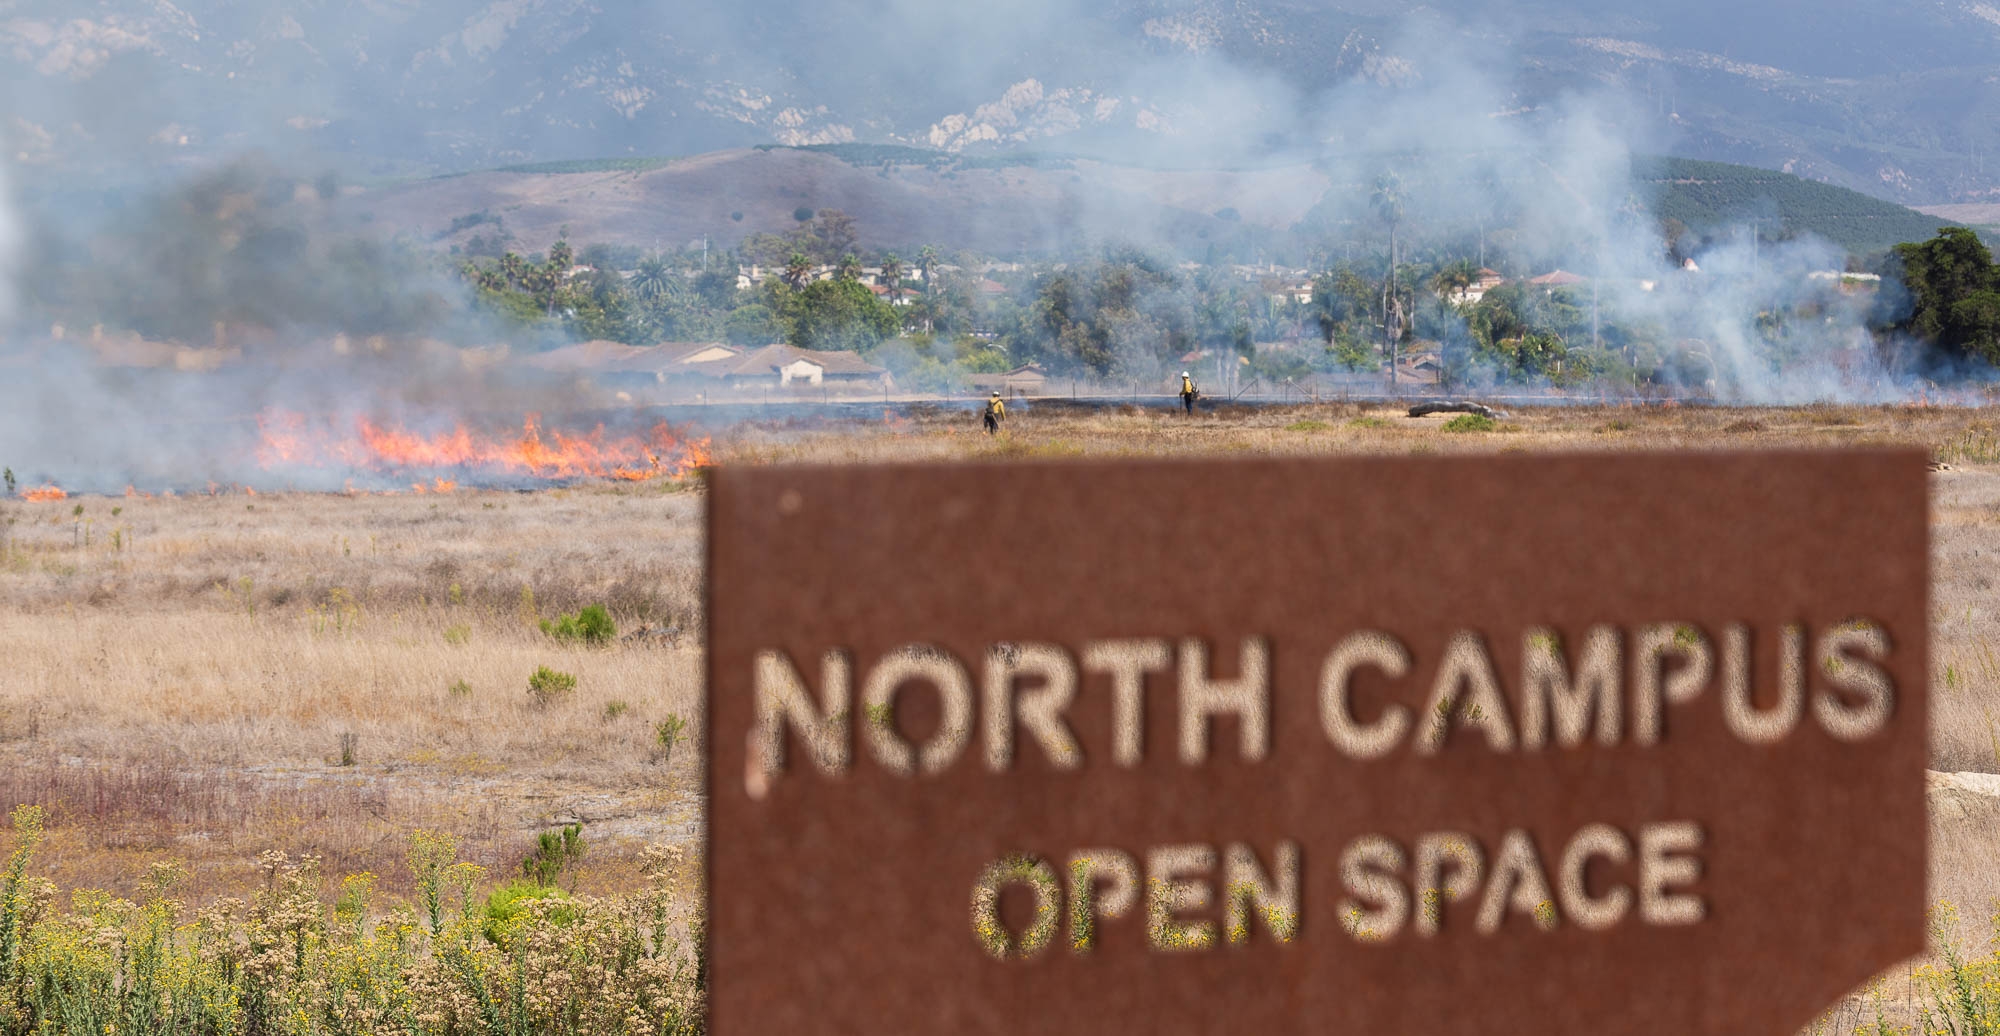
(549,282)
(850,267)
(927,262)
(651,279)
(514,269)
(1453,278)
(798,269)
(1388,200)
(487,280)
(892,275)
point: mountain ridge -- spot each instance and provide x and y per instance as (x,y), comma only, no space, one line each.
(1899,104)
(1022,205)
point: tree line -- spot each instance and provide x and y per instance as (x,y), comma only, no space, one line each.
(625,295)
(1126,313)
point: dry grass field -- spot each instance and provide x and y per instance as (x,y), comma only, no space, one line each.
(202,678)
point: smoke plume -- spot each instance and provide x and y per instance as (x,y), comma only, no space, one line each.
(170,320)
(168,345)
(10,245)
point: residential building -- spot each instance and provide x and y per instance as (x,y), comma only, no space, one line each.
(1556,279)
(1029,379)
(786,366)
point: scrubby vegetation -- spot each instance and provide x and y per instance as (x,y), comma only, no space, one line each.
(590,624)
(1956,994)
(555,852)
(293,959)
(549,686)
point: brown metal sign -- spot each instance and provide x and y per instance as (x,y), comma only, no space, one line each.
(1554,744)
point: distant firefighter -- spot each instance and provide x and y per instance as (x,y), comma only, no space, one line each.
(1188,392)
(996,412)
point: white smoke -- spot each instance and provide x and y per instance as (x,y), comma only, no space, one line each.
(1472,147)
(1448,106)
(10,243)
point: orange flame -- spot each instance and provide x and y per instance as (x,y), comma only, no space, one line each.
(45,494)
(290,439)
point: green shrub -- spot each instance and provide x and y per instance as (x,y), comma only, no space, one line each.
(506,911)
(555,852)
(614,709)
(1470,423)
(458,634)
(459,689)
(1368,422)
(1307,425)
(668,733)
(592,625)
(547,686)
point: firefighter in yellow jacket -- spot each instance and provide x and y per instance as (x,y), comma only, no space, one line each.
(996,412)
(1188,392)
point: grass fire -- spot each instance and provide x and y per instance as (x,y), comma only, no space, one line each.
(294,442)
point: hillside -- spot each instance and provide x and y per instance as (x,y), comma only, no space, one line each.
(1895,100)
(1020,206)
(1029,204)
(1710,195)
(1984,215)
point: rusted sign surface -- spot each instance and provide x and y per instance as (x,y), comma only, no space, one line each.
(1566,745)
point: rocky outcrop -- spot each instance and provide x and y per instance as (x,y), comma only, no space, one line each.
(1963,796)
